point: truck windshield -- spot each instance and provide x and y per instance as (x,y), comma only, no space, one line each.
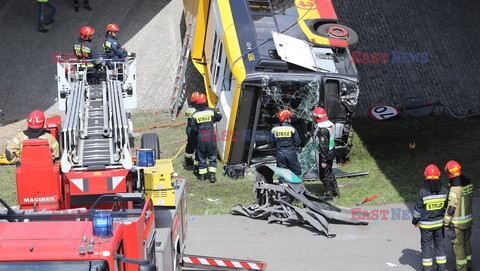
(55,266)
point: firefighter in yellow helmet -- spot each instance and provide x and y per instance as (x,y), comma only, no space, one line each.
(36,122)
(428,215)
(458,217)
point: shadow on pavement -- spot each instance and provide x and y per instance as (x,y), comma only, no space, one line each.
(28,71)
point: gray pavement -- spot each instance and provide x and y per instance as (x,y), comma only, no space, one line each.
(148,27)
(382,245)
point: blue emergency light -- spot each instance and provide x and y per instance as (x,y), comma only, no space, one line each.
(145,158)
(102,223)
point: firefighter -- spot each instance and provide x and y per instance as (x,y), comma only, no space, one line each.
(191,137)
(85,52)
(428,215)
(325,145)
(202,124)
(35,124)
(285,139)
(112,47)
(458,217)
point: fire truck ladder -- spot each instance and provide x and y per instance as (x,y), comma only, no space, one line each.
(95,132)
(178,89)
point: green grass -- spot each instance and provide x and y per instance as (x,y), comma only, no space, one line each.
(382,147)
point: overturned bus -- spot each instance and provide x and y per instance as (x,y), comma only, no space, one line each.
(259,57)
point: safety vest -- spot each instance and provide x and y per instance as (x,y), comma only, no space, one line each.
(331,132)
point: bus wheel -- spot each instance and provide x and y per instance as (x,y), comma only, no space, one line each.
(340,32)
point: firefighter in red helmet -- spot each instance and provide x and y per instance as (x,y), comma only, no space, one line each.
(203,126)
(35,123)
(428,215)
(111,46)
(87,53)
(324,139)
(285,140)
(191,137)
(459,215)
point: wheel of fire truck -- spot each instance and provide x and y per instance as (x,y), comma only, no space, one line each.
(150,141)
(193,82)
(341,32)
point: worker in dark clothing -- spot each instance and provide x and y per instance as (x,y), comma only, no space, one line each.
(112,47)
(202,124)
(87,54)
(325,145)
(35,124)
(428,215)
(191,137)
(51,17)
(285,139)
(459,215)
(85,5)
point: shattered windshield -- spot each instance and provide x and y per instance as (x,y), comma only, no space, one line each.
(295,93)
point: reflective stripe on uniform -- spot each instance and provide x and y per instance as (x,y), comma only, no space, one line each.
(427,262)
(189,112)
(462,219)
(416,214)
(427,198)
(461,262)
(203,116)
(202,171)
(441,259)
(212,169)
(54,145)
(16,141)
(469,257)
(431,224)
(283,131)
(189,155)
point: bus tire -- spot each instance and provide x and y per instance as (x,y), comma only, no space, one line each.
(340,32)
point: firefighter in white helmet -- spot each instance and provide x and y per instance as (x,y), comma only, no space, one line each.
(325,145)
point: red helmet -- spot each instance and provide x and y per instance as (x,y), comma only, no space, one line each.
(113,28)
(194,97)
(201,99)
(36,119)
(284,114)
(319,114)
(453,169)
(86,32)
(432,172)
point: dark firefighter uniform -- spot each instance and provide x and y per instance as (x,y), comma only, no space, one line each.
(325,145)
(191,137)
(113,49)
(459,212)
(285,139)
(14,148)
(428,215)
(202,125)
(84,50)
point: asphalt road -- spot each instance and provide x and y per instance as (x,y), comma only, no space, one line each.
(382,245)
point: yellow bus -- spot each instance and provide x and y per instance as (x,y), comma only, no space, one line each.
(259,57)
